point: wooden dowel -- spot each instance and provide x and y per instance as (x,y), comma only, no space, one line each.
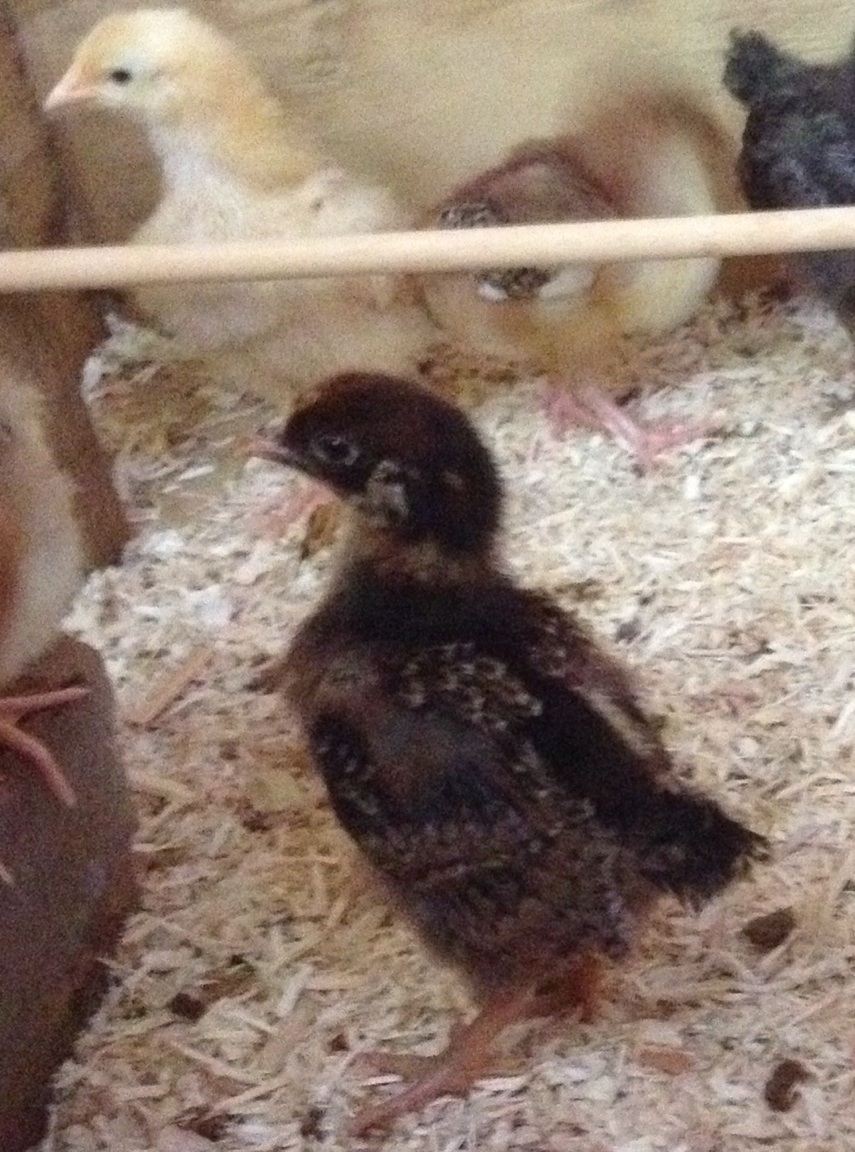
(672,238)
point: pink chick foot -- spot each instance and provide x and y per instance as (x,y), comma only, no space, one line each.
(12,710)
(590,407)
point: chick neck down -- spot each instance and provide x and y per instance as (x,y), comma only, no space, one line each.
(238,130)
(372,552)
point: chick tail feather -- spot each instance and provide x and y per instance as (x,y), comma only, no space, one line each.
(688,846)
(755,70)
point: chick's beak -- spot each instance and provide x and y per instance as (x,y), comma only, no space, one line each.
(68,90)
(269,449)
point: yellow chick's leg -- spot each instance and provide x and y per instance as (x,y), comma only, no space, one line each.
(471,1054)
(590,406)
(308,501)
(579,350)
(31,749)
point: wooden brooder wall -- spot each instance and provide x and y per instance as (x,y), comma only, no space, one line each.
(44,340)
(421,91)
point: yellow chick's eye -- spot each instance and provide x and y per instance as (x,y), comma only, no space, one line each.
(120,76)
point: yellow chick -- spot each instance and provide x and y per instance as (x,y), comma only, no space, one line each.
(645,154)
(41,571)
(237,164)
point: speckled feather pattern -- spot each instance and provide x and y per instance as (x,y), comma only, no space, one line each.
(499,868)
(513,283)
(539,182)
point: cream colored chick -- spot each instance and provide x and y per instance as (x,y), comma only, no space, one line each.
(238,165)
(648,154)
(41,570)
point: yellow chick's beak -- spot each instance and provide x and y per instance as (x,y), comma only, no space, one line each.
(69,89)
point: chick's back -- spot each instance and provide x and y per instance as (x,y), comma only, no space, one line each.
(495,768)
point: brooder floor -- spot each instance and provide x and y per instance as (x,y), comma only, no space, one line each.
(261,964)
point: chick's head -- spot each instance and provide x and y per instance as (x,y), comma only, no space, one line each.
(405,459)
(162,64)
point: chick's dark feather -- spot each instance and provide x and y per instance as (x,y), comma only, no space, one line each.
(457,496)
(496,768)
(798,147)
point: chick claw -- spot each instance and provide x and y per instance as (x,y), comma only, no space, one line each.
(469,1057)
(447,1074)
(30,748)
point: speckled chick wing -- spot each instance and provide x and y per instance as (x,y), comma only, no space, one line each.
(798,148)
(541,182)
(497,771)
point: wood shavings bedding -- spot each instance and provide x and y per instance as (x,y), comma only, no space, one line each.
(261,962)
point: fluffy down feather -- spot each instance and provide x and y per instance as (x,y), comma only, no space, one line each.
(238,164)
(648,153)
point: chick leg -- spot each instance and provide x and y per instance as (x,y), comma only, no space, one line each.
(589,406)
(322,517)
(575,987)
(30,748)
(469,1056)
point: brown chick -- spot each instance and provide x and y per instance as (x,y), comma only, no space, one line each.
(41,570)
(489,759)
(238,164)
(648,154)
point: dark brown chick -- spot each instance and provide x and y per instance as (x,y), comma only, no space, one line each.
(488,758)
(798,148)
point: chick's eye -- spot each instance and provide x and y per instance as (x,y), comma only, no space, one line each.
(335,450)
(120,76)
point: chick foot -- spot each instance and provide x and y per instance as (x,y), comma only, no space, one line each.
(469,1057)
(12,710)
(590,407)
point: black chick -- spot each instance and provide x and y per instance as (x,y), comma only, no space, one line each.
(489,759)
(798,148)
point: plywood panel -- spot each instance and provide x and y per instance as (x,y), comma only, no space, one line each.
(44,340)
